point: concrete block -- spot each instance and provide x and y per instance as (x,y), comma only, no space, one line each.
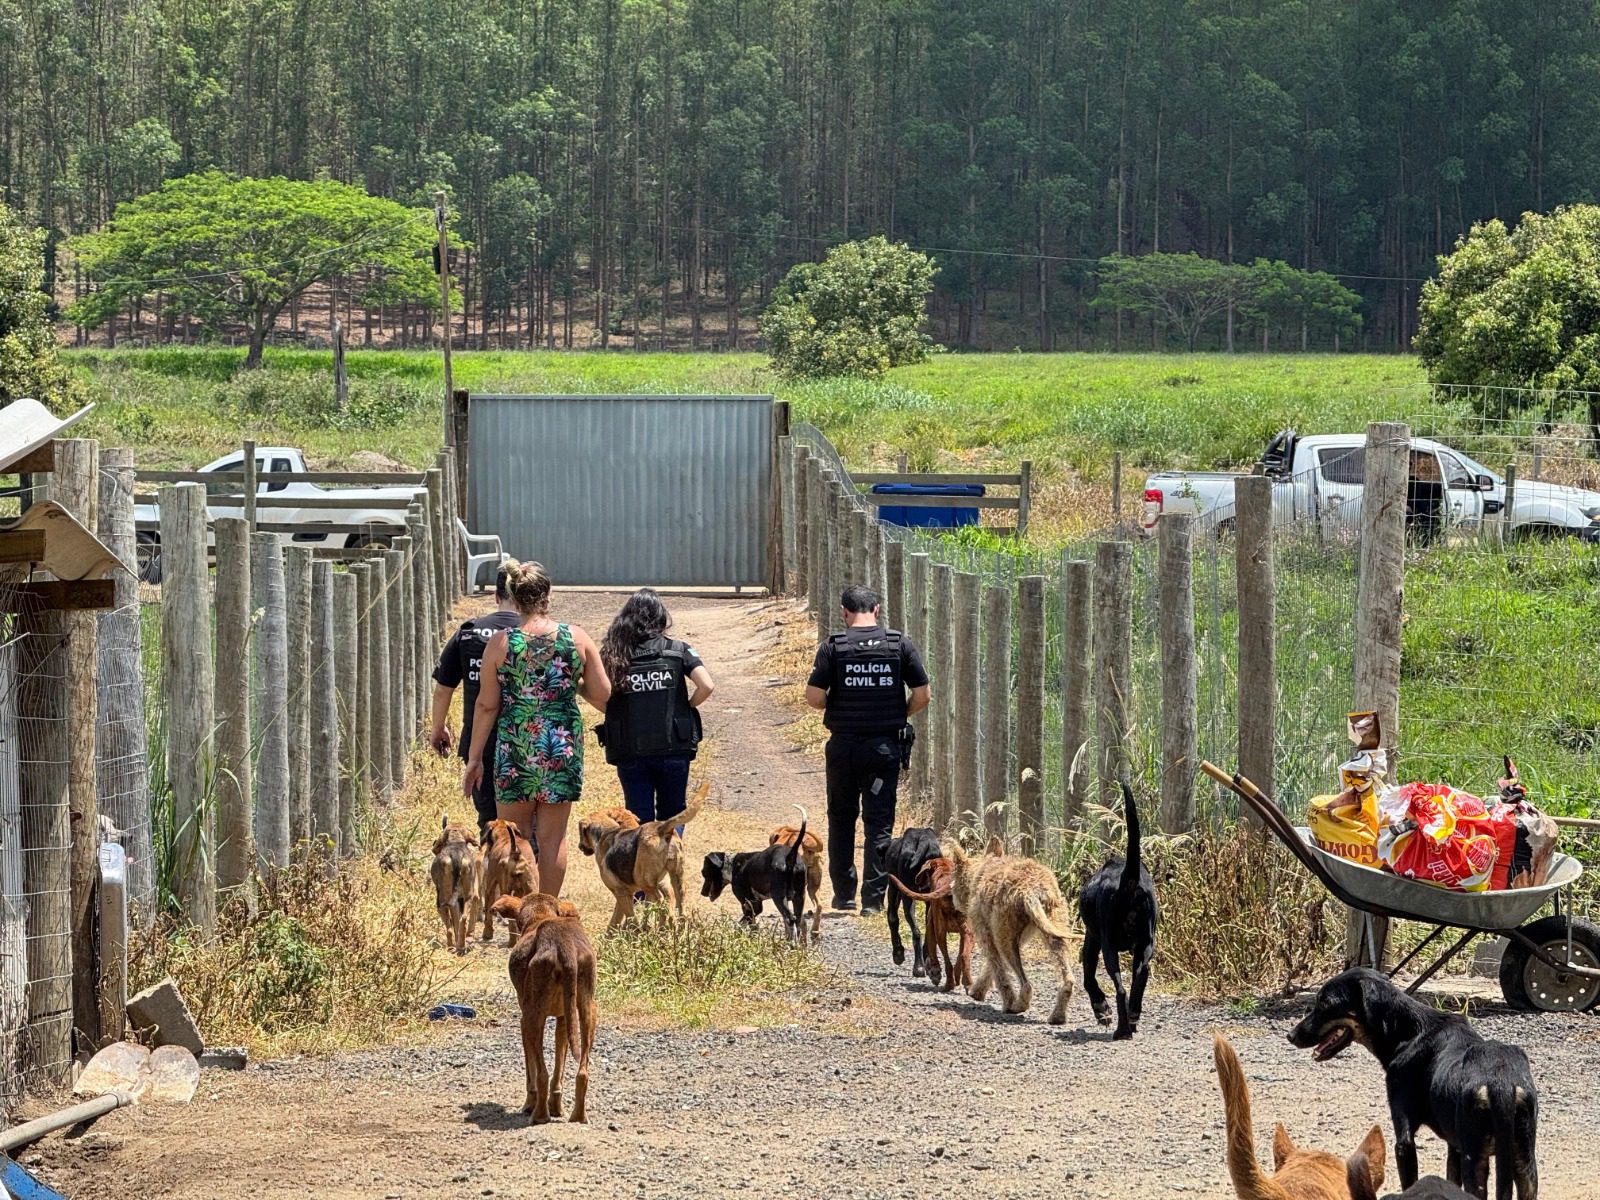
(160,1013)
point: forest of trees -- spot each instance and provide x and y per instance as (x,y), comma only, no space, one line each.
(657,165)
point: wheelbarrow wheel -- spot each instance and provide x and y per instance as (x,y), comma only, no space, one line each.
(1531,984)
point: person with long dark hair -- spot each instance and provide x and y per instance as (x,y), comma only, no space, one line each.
(652,728)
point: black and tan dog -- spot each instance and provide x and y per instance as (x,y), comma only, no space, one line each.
(776,873)
(1440,1074)
(639,860)
(455,881)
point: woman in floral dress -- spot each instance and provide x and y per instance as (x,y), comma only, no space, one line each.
(532,677)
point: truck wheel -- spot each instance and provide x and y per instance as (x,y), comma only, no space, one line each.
(149,557)
(1541,533)
(1530,984)
(370,541)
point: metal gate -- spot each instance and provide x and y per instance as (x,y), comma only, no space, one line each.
(668,490)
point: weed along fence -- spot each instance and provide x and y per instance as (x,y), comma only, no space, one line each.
(1248,645)
(248,711)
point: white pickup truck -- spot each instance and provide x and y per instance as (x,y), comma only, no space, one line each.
(374,508)
(1320,478)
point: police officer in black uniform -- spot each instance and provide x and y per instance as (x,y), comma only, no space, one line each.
(460,664)
(861,682)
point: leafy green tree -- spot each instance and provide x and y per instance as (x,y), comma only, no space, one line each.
(858,312)
(1184,290)
(1519,308)
(28,362)
(1298,302)
(237,251)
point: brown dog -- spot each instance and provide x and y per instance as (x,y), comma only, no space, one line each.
(593,826)
(811,851)
(508,870)
(1007,898)
(522,913)
(1298,1174)
(455,881)
(642,859)
(941,919)
(552,967)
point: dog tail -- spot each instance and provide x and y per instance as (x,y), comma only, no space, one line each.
(690,810)
(569,968)
(799,840)
(1243,1166)
(1513,1131)
(1130,864)
(925,897)
(1043,920)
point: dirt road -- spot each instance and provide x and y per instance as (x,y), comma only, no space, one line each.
(882,1087)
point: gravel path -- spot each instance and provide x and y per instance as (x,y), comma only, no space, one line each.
(883,1087)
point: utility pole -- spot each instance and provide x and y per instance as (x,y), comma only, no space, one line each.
(441,219)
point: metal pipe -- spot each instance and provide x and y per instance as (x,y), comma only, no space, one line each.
(31,1131)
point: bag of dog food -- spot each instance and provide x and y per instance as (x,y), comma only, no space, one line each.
(1346,824)
(1434,834)
(1527,837)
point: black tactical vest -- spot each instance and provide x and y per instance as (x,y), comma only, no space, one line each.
(649,711)
(868,693)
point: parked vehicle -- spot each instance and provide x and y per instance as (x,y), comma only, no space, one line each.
(1320,478)
(362,506)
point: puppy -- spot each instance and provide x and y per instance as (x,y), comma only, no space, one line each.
(1440,1074)
(526,911)
(455,881)
(641,859)
(811,851)
(1298,1174)
(942,918)
(1118,907)
(1008,898)
(593,826)
(903,860)
(507,869)
(552,967)
(775,873)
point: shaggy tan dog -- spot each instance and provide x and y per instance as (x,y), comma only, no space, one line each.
(811,851)
(1299,1174)
(1007,898)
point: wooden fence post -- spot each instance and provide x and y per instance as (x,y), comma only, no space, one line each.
(916,628)
(425,619)
(995,728)
(1257,679)
(394,608)
(802,516)
(817,519)
(297,595)
(402,639)
(1113,663)
(844,570)
(374,755)
(187,685)
(75,485)
(444,534)
(861,548)
(1077,685)
(1179,714)
(1030,713)
(349,696)
(325,710)
(121,739)
(787,572)
(966,797)
(236,856)
(1379,604)
(894,582)
(1024,496)
(942,675)
(249,487)
(272,684)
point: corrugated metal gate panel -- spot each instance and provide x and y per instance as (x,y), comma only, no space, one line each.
(669,490)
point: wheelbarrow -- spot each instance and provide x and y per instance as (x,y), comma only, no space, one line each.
(1552,963)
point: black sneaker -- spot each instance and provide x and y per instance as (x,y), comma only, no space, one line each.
(872,908)
(844,906)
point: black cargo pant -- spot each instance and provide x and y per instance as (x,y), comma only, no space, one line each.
(863,773)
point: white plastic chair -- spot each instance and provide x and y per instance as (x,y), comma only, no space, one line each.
(478,559)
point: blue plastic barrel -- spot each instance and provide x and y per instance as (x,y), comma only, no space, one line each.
(932,516)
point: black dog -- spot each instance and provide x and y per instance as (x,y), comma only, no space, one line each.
(1441,1075)
(904,859)
(1118,907)
(776,873)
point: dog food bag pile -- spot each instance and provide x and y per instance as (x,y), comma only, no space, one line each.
(1347,824)
(1437,834)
